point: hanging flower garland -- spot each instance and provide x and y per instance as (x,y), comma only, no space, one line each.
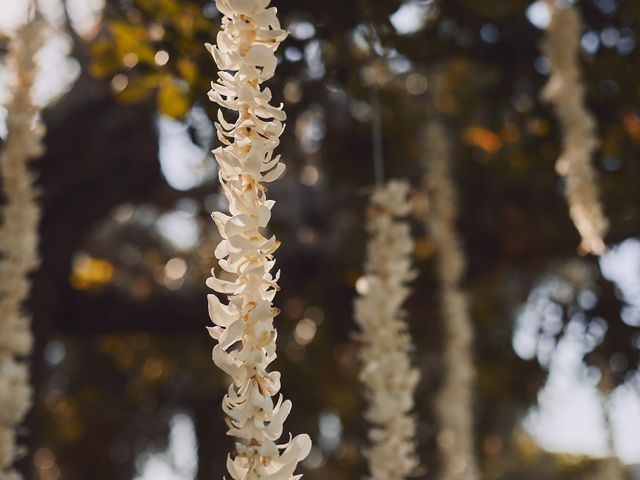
(245,55)
(454,405)
(566,92)
(18,239)
(386,371)
(610,468)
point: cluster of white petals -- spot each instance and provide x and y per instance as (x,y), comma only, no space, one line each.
(387,374)
(244,329)
(565,91)
(454,405)
(18,240)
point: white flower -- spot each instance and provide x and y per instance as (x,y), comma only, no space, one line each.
(15,392)
(245,55)
(18,239)
(566,92)
(387,374)
(454,404)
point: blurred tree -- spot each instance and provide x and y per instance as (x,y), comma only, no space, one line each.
(120,300)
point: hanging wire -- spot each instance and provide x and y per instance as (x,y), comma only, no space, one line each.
(376,136)
(374,98)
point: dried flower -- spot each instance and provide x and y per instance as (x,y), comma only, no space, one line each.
(18,239)
(386,373)
(566,92)
(610,468)
(245,55)
(455,399)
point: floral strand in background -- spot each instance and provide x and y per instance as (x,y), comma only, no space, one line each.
(245,55)
(565,91)
(386,372)
(18,239)
(454,404)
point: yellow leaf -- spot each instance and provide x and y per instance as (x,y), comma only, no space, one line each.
(127,36)
(136,91)
(187,70)
(173,100)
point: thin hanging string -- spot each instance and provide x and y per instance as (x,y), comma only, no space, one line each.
(376,110)
(605,397)
(376,136)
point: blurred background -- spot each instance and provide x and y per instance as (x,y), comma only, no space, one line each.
(125,386)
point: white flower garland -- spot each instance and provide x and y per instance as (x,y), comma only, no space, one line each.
(566,92)
(386,371)
(610,468)
(18,240)
(454,404)
(245,55)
